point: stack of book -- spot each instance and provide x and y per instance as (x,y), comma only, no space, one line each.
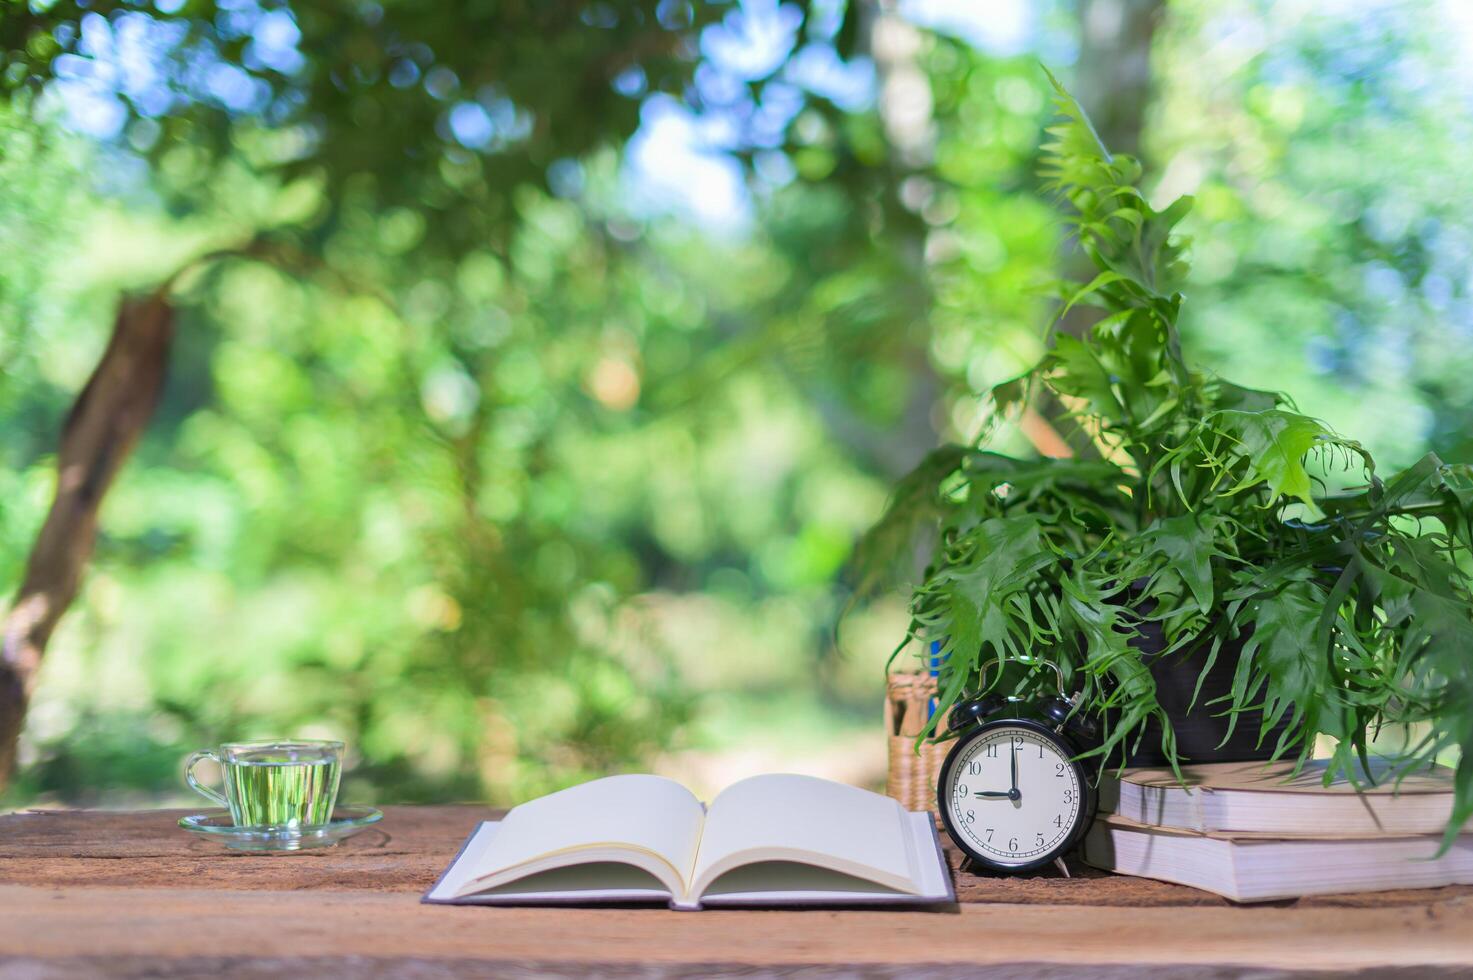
(1253,833)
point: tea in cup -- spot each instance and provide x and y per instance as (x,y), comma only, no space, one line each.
(274,784)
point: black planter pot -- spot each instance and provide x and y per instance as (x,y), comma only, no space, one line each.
(1200,731)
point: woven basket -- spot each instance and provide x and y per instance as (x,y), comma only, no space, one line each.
(912,775)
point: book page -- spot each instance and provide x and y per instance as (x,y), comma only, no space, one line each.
(811,821)
(648,816)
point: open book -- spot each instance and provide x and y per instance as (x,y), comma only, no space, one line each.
(768,840)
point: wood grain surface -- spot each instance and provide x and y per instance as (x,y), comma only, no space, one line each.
(92,894)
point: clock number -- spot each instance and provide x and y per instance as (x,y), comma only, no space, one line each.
(991,753)
(1059,769)
(1017,741)
(971,816)
(1059,820)
(961,791)
(1039,842)
(1012,843)
(1068,796)
(1040,750)
(990,832)
(974,768)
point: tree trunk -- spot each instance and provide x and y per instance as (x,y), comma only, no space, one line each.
(104,425)
(1113,84)
(1114,75)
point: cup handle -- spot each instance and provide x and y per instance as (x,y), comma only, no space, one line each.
(196,785)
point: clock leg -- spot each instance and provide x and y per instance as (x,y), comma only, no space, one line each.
(1063,868)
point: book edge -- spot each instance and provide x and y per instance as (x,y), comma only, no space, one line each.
(425,899)
(1161,777)
(1251,837)
(946,877)
(1385,811)
(1103,830)
(1235,851)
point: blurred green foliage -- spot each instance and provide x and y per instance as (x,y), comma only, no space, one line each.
(509,476)
(427,107)
(1334,223)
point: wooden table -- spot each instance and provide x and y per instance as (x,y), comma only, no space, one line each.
(92,893)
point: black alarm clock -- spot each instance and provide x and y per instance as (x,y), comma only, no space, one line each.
(1012,792)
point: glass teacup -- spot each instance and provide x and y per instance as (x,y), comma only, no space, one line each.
(275,784)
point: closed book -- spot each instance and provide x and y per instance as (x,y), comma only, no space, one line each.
(1248,867)
(1255,797)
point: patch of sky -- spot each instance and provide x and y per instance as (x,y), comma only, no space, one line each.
(1384,283)
(825,17)
(752,41)
(1003,28)
(116,60)
(682,158)
(488,123)
(673,166)
(132,58)
(631,82)
(1455,20)
(817,68)
(771,114)
(471,125)
(273,44)
(1437,291)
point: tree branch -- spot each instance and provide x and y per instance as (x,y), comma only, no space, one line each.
(103,427)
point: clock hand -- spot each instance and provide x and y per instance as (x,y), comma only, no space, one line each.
(988,795)
(1013,758)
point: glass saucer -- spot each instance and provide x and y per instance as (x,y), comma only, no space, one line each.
(346,821)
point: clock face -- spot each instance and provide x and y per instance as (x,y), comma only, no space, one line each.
(1011,797)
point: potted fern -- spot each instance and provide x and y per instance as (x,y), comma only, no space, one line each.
(1211,566)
